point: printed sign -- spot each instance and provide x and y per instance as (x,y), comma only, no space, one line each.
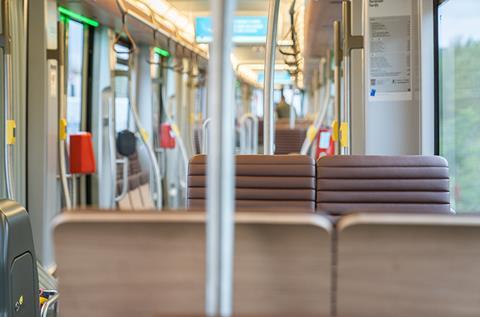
(280,77)
(390,55)
(246,29)
(389,50)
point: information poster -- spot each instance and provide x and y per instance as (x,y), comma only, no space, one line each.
(389,57)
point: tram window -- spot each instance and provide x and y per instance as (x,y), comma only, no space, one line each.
(459,98)
(257,101)
(122,113)
(293,97)
(277,94)
(75,76)
(122,57)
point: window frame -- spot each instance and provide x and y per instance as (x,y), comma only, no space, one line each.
(437,4)
(436,60)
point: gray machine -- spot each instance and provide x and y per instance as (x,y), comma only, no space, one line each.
(18,266)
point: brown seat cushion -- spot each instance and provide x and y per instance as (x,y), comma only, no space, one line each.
(262,181)
(347,184)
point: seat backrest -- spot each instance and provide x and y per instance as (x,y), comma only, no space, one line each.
(262,182)
(408,265)
(288,140)
(136,176)
(403,184)
(138,196)
(153,264)
(302,124)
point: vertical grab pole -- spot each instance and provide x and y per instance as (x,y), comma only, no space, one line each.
(346,113)
(328,74)
(61,114)
(220,225)
(337,52)
(108,101)
(8,105)
(350,42)
(143,135)
(268,118)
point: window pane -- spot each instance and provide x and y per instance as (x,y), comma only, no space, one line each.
(459,83)
(121,104)
(75,76)
(122,109)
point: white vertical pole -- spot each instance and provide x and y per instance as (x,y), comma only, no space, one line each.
(221,169)
(337,80)
(346,114)
(268,118)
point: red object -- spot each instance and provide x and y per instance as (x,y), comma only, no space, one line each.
(167,140)
(82,158)
(324,144)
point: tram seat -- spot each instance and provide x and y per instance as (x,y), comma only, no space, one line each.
(288,140)
(138,196)
(397,184)
(408,265)
(262,182)
(300,122)
(284,124)
(153,264)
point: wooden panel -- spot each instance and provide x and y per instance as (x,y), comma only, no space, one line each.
(146,264)
(401,265)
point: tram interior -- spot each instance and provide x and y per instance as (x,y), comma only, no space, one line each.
(239,158)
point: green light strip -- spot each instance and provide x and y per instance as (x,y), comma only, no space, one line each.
(161,52)
(78,17)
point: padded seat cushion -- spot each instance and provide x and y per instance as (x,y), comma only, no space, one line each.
(347,184)
(265,181)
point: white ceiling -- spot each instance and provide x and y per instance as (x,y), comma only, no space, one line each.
(319,17)
(246,53)
(203,5)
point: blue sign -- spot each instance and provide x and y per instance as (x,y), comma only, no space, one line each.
(246,29)
(280,77)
